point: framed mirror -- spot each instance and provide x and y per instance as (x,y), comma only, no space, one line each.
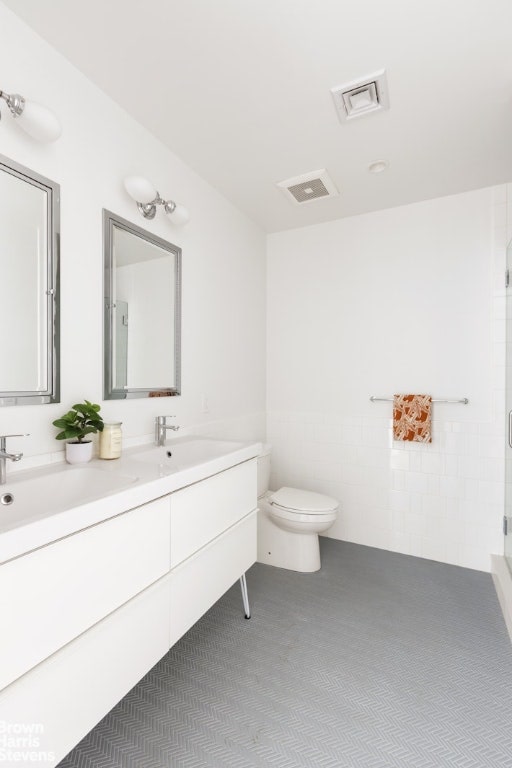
(142,312)
(29,275)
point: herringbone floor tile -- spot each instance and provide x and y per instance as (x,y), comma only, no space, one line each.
(378,661)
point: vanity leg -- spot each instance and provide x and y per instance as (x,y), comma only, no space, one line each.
(245,596)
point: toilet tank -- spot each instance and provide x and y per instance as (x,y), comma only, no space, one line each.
(264,469)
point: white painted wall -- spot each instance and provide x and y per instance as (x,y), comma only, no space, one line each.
(223,257)
(408,299)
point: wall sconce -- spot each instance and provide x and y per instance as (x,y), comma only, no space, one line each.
(35,120)
(147,199)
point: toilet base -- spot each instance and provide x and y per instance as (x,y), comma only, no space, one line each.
(284,549)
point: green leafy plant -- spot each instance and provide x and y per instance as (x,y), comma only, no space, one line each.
(83,419)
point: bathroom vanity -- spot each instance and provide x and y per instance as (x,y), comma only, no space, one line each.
(96,591)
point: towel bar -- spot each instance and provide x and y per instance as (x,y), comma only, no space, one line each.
(464,400)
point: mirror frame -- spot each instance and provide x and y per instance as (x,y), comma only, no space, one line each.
(52,393)
(111,220)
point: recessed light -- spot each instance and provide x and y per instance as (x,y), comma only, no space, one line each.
(378,166)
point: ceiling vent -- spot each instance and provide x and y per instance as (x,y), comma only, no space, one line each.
(361,97)
(308,187)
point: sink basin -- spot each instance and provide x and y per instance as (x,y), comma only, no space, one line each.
(23,500)
(178,455)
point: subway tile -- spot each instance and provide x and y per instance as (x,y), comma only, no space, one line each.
(473,445)
(433,485)
(399,501)
(491,492)
(469,467)
(397,520)
(453,508)
(375,437)
(471,485)
(491,446)
(375,457)
(450,464)
(327,433)
(456,443)
(351,434)
(451,486)
(433,506)
(415,461)
(378,477)
(416,524)
(431,463)
(399,459)
(492,468)
(416,482)
(398,480)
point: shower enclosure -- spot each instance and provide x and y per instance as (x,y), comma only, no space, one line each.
(507,519)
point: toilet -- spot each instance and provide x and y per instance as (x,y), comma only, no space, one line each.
(289,521)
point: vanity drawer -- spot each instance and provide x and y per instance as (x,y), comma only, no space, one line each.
(203,511)
(71,691)
(201,580)
(50,596)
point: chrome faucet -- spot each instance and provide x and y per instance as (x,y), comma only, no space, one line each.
(4,456)
(161,427)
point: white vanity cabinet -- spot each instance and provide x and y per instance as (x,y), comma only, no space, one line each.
(213,542)
(52,595)
(85,617)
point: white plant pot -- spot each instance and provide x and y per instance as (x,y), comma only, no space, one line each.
(79,453)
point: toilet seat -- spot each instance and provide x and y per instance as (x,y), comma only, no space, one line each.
(313,518)
(296,501)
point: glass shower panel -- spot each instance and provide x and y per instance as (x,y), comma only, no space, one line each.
(508,396)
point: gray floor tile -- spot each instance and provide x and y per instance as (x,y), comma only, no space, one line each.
(378,661)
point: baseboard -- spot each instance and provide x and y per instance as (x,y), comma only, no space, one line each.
(503,585)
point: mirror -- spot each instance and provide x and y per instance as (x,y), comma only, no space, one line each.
(29,269)
(142,312)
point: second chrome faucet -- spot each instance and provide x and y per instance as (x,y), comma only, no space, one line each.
(4,456)
(161,427)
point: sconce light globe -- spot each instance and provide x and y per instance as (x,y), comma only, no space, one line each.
(140,189)
(39,122)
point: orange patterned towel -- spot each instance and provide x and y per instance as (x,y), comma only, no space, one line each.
(412,418)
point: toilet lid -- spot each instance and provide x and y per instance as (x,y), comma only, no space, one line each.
(303,501)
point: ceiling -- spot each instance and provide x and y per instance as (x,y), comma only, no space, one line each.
(240,90)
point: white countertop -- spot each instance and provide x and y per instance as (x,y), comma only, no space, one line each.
(42,512)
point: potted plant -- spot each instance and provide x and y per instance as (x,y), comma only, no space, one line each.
(82,420)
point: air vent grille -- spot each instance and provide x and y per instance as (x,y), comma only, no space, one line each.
(308,187)
(308,190)
(361,97)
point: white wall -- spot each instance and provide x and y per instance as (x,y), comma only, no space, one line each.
(403,300)
(223,257)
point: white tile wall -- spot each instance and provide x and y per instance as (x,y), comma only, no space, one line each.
(442,501)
